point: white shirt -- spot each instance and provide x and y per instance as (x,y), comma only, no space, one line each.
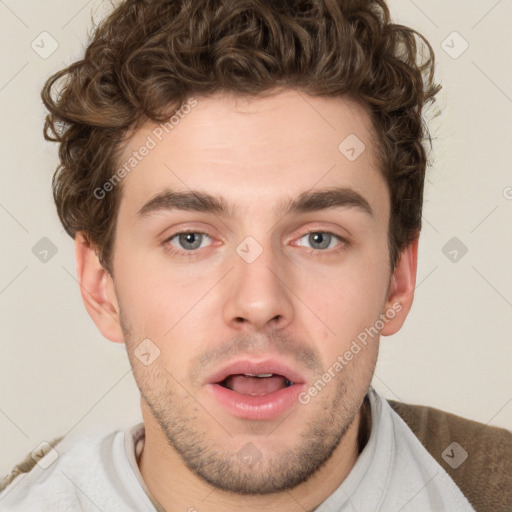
(394,472)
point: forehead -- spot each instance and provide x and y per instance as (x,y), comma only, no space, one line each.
(265,148)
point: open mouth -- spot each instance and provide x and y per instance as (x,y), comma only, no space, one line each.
(255,385)
(256,390)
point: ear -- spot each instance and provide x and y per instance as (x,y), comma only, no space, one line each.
(401,289)
(97,289)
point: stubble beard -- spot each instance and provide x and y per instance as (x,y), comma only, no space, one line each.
(187,427)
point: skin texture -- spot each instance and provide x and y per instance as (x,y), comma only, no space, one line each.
(298,301)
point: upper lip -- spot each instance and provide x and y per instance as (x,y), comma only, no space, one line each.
(255,367)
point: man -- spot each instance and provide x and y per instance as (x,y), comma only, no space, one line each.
(283,142)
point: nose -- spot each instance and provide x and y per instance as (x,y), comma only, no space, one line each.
(258,295)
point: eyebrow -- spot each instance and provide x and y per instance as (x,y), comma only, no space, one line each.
(308,201)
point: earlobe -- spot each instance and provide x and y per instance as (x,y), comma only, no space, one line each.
(401,291)
(97,290)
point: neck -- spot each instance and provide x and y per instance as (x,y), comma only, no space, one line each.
(176,488)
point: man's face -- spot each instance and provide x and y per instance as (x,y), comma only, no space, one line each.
(253,290)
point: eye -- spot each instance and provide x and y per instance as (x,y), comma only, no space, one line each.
(321,240)
(187,242)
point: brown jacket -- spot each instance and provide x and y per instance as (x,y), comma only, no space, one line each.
(484,477)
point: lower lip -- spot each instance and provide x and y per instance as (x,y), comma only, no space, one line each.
(263,407)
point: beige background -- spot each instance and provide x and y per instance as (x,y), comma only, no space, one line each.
(58,375)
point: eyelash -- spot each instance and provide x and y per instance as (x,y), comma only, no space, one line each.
(191,254)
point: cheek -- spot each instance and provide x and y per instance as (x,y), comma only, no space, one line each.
(356,286)
(346,300)
(167,309)
(153,296)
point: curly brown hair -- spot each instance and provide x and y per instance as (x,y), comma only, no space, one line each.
(148,56)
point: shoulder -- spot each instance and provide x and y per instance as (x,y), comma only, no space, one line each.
(48,475)
(29,462)
(477,457)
